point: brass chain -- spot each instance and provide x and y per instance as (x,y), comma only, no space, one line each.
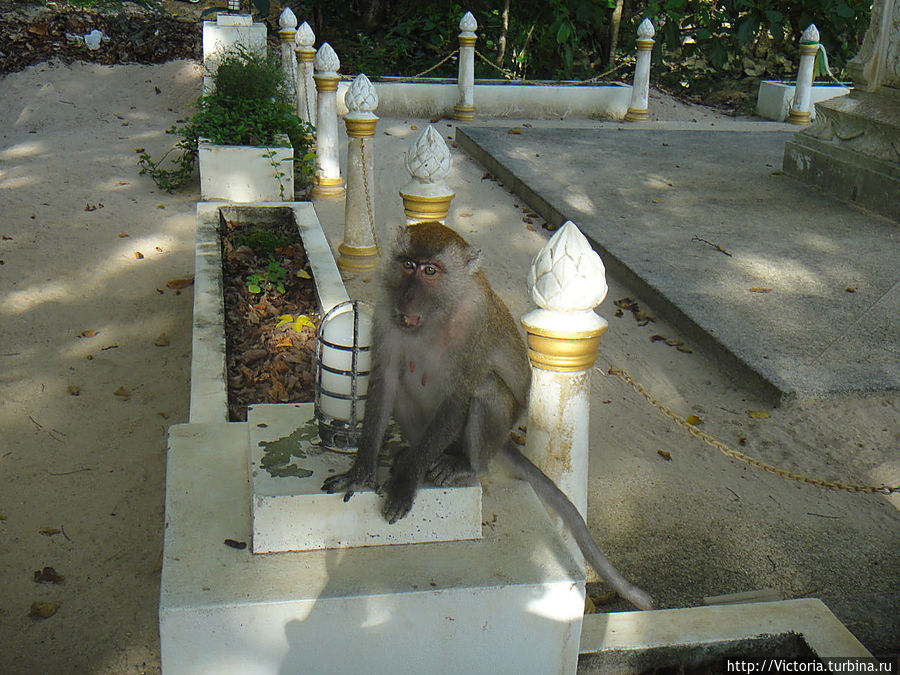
(740,456)
(366,191)
(438,64)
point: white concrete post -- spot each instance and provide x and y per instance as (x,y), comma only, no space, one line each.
(359,250)
(305,86)
(567,280)
(328,181)
(640,88)
(428,161)
(464,110)
(809,47)
(287,23)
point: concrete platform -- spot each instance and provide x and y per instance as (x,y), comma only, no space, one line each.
(806,304)
(291,513)
(511,601)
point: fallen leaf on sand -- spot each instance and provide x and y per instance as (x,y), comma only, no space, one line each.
(122,393)
(138,255)
(162,340)
(515,130)
(49,531)
(760,290)
(48,575)
(179,284)
(693,420)
(42,610)
(89,333)
(240,545)
(665,455)
(73,390)
(758,414)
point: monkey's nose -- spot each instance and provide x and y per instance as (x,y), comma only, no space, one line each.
(410,320)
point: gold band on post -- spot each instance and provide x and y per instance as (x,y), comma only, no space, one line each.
(464,113)
(635,115)
(563,352)
(328,187)
(426,208)
(357,259)
(797,117)
(305,55)
(644,44)
(467,40)
(357,128)
(326,83)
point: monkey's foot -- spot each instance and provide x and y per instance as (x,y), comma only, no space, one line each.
(449,469)
(350,481)
(399,500)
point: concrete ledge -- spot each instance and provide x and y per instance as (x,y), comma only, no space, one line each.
(773,101)
(291,513)
(510,602)
(648,640)
(495,98)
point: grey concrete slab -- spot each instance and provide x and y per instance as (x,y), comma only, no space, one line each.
(806,298)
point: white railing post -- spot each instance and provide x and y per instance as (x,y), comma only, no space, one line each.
(567,280)
(359,250)
(640,87)
(328,181)
(428,161)
(306,88)
(464,110)
(287,23)
(809,46)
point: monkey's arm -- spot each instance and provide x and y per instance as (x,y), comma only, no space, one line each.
(410,466)
(383,385)
(551,495)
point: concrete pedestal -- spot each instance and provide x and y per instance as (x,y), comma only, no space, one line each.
(509,602)
(850,151)
(281,505)
(227,33)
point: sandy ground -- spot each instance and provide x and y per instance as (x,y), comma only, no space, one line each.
(86,394)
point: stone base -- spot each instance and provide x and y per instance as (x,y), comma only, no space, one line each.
(851,151)
(282,506)
(509,602)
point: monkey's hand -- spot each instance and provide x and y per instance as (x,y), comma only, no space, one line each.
(356,478)
(400,496)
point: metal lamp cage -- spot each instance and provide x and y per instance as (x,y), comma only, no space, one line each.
(334,432)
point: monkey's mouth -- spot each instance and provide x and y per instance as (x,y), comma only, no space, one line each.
(410,321)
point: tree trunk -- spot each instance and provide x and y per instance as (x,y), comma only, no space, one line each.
(614,22)
(504,27)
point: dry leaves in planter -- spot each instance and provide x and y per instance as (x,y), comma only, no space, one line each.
(271,316)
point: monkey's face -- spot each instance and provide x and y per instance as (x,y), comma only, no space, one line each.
(418,291)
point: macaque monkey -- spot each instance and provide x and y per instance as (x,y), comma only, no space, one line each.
(449,365)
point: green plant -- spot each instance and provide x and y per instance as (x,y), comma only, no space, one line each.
(260,238)
(248,106)
(269,279)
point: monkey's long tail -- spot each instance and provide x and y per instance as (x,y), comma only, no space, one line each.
(559,502)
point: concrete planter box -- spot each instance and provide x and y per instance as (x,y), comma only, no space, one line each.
(774,98)
(246,173)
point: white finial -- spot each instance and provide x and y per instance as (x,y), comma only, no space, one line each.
(326,60)
(645,29)
(305,36)
(428,159)
(361,95)
(567,275)
(287,20)
(468,24)
(811,34)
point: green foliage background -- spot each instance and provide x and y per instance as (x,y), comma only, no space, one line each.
(700,40)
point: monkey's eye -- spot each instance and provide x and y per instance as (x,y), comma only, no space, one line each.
(429,270)
(409,265)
